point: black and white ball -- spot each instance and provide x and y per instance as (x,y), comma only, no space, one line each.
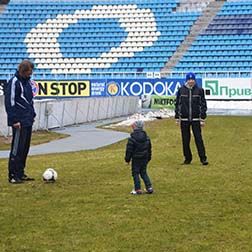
(50,175)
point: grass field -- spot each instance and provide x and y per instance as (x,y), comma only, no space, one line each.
(39,137)
(89,208)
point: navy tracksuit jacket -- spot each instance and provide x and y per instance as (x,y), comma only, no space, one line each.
(19,108)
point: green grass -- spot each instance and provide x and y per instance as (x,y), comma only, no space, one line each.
(89,208)
(38,137)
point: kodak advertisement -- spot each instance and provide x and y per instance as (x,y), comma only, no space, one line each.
(111,87)
(106,87)
(138,87)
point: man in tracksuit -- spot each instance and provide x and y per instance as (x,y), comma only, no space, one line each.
(190,112)
(20,114)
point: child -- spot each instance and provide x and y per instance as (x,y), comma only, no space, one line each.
(138,150)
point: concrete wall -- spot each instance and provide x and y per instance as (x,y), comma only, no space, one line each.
(63,112)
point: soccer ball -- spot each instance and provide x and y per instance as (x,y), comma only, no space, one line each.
(50,175)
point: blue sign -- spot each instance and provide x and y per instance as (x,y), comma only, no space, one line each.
(137,87)
(98,87)
(116,87)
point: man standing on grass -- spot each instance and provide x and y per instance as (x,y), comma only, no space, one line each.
(190,112)
(20,114)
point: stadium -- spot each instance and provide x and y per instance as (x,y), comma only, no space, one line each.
(98,60)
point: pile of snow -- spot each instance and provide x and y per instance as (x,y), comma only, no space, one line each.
(148,116)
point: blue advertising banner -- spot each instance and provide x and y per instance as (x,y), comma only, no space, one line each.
(107,87)
(98,87)
(137,87)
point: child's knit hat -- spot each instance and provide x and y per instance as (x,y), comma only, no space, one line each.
(138,124)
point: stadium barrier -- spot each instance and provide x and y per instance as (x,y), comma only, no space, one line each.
(57,113)
(61,103)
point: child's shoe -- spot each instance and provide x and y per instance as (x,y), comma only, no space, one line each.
(149,190)
(135,192)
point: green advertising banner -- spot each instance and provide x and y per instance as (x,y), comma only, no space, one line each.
(159,102)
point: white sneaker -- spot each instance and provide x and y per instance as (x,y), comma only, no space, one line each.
(135,192)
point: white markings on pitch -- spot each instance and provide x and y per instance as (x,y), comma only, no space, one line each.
(42,43)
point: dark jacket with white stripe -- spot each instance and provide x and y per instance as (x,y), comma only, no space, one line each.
(19,101)
(190,104)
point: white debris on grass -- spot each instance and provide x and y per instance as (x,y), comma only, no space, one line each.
(148,116)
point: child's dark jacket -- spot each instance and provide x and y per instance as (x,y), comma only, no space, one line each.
(138,146)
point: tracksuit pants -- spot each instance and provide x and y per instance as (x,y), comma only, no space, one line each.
(139,168)
(21,139)
(186,137)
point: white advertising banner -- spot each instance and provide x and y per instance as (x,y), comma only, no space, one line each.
(2,82)
(228,89)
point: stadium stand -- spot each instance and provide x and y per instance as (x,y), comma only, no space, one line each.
(225,45)
(75,39)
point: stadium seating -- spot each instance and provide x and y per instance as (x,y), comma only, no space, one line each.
(225,46)
(91,37)
(75,39)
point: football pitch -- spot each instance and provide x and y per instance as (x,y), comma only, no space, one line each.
(89,208)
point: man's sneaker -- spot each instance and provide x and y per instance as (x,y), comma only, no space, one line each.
(187,162)
(26,178)
(149,190)
(204,162)
(15,181)
(136,192)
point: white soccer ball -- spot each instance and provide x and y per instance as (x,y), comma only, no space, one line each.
(50,175)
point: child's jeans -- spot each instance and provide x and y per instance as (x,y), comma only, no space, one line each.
(139,167)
